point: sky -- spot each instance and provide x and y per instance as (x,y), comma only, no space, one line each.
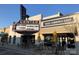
(11,12)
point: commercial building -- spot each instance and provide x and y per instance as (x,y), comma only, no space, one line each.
(29,29)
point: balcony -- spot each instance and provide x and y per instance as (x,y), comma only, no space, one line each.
(26,26)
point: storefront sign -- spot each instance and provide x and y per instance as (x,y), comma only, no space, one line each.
(55,22)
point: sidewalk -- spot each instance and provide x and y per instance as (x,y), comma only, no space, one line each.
(31,51)
(36,51)
(14,47)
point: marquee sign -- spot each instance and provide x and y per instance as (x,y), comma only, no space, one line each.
(20,28)
(28,27)
(32,27)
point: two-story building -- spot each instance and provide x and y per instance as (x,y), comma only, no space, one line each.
(64,27)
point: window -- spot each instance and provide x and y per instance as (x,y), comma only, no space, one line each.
(14,39)
(10,39)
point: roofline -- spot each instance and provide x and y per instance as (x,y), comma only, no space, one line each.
(61,16)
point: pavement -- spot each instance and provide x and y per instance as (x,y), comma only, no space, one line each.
(10,51)
(14,50)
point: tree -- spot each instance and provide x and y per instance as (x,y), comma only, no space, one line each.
(39,38)
(4,38)
(54,39)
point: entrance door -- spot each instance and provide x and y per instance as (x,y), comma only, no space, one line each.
(66,39)
(28,40)
(71,40)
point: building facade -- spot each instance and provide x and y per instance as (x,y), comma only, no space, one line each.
(65,27)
